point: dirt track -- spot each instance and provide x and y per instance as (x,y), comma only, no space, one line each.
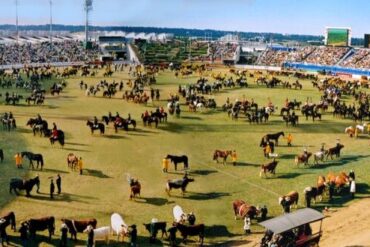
(343,227)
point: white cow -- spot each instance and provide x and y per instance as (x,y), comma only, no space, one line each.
(102,233)
(119,227)
(179,214)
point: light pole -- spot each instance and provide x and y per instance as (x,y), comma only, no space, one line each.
(16,19)
(51,22)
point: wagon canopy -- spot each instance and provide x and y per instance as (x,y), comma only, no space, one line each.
(289,221)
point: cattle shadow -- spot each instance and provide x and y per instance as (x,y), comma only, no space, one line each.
(218,231)
(287,156)
(156,201)
(205,196)
(76,144)
(202,172)
(246,164)
(191,117)
(76,150)
(95,173)
(116,137)
(289,175)
(23,130)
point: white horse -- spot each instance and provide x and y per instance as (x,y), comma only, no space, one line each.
(119,227)
(361,127)
(318,156)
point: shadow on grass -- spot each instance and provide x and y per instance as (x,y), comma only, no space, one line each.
(205,196)
(95,173)
(191,118)
(156,201)
(247,164)
(340,161)
(113,137)
(289,175)
(76,144)
(233,243)
(218,231)
(76,150)
(202,172)
(287,156)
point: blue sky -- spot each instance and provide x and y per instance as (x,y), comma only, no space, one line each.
(284,16)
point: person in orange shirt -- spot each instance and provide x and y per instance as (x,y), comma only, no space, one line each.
(289,139)
(80,165)
(165,164)
(234,157)
(18,160)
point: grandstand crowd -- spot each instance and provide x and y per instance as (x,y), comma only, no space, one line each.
(321,55)
(66,51)
(74,51)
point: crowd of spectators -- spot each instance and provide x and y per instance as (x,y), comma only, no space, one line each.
(66,51)
(327,55)
(222,51)
(360,59)
(323,55)
(273,57)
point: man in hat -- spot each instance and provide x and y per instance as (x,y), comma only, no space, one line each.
(63,237)
(59,183)
(264,213)
(80,165)
(90,236)
(352,175)
(52,188)
(23,231)
(133,234)
(3,235)
(172,230)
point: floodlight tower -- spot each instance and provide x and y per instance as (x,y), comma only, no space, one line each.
(16,19)
(88,9)
(51,22)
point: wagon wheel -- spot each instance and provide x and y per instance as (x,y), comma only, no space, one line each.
(313,244)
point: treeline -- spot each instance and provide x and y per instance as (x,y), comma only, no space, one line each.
(181,32)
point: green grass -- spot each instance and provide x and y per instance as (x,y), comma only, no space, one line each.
(103,189)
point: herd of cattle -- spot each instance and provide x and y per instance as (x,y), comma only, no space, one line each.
(195,96)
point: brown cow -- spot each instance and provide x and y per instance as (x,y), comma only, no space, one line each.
(41,224)
(269,167)
(338,180)
(76,226)
(135,189)
(302,158)
(221,154)
(290,199)
(242,209)
(195,230)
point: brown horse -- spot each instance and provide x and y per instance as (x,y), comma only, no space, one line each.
(334,151)
(242,209)
(302,158)
(221,154)
(269,167)
(72,161)
(135,189)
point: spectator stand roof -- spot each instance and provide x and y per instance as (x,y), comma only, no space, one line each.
(293,220)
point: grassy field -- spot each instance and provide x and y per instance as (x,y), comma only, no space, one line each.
(103,188)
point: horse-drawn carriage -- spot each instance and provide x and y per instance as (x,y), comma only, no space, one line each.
(293,229)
